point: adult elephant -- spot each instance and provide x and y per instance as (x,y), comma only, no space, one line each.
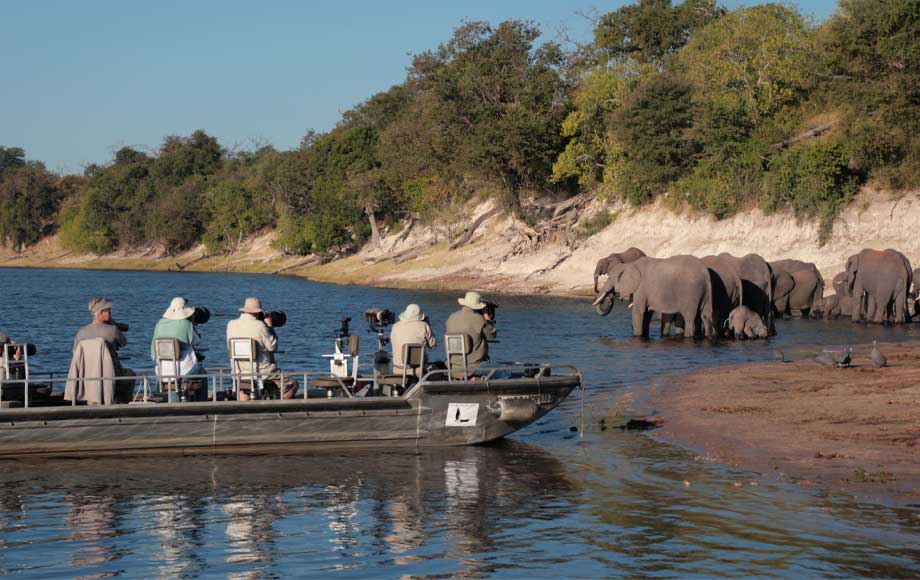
(807,292)
(727,289)
(604,265)
(799,289)
(878,281)
(679,285)
(757,283)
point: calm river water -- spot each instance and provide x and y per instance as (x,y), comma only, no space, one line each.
(548,502)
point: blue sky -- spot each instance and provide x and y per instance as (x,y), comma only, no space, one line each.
(81,79)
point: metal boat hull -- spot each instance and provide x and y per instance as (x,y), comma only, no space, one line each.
(430,414)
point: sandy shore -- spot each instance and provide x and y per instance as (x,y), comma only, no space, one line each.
(852,430)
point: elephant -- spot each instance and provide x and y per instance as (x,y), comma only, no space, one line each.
(801,290)
(807,291)
(679,285)
(757,282)
(727,288)
(837,306)
(742,322)
(604,265)
(878,281)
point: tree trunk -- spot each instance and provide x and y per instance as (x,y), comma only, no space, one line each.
(375,233)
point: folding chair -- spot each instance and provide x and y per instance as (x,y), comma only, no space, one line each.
(459,345)
(244,350)
(167,360)
(413,355)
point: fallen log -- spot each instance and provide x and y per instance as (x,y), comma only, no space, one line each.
(311,260)
(471,229)
(413,252)
(809,134)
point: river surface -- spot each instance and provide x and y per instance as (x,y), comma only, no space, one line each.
(547,502)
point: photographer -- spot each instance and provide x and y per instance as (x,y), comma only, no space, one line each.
(412,328)
(179,322)
(257,324)
(476,321)
(104,326)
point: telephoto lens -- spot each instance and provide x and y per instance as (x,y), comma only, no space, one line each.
(201,315)
(278,318)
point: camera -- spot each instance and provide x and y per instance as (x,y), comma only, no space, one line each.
(119,325)
(278,318)
(201,315)
(490,309)
(377,319)
(343,330)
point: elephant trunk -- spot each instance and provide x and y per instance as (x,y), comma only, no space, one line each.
(604,304)
(595,283)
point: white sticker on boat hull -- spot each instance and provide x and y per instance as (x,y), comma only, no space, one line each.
(461,414)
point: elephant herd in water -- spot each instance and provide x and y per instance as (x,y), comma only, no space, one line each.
(728,296)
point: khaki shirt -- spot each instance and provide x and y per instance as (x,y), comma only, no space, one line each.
(248,326)
(409,332)
(468,321)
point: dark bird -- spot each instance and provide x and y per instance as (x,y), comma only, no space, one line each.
(779,355)
(841,358)
(878,359)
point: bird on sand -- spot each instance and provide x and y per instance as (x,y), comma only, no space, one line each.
(842,358)
(878,359)
(779,355)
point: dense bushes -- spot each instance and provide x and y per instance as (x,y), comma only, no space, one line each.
(705,107)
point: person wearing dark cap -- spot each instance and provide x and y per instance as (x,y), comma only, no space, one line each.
(104,327)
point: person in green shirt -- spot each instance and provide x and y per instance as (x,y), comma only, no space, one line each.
(177,323)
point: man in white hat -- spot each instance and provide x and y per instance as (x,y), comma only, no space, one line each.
(254,324)
(412,328)
(475,322)
(177,323)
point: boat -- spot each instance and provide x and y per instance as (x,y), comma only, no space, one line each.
(443,408)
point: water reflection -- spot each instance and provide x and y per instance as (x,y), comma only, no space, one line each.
(247,517)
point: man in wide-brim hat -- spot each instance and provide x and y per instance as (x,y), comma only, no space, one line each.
(476,323)
(253,324)
(412,328)
(177,323)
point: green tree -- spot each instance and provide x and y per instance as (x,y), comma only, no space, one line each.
(650,30)
(29,199)
(759,57)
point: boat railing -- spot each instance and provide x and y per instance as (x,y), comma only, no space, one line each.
(222,383)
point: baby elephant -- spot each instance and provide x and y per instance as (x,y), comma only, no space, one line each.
(743,322)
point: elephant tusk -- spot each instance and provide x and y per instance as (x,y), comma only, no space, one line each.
(599,300)
(630,305)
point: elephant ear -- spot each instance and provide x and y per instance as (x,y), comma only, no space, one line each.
(628,279)
(601,267)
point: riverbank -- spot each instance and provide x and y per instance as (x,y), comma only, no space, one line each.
(852,430)
(500,258)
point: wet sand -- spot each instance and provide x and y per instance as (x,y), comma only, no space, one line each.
(853,430)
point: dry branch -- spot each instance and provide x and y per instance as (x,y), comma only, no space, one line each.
(469,231)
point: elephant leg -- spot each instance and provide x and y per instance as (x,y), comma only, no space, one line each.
(900,303)
(680,325)
(690,319)
(858,298)
(640,318)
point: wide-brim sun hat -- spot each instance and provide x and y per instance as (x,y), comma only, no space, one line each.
(98,304)
(412,312)
(252,306)
(178,309)
(472,300)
